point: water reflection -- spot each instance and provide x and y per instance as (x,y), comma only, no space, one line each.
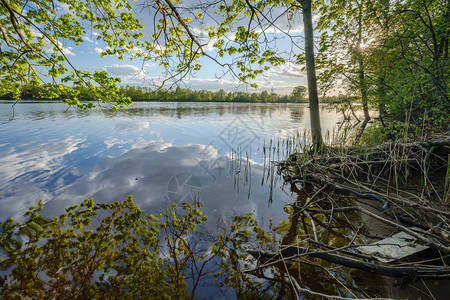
(309,230)
(146,172)
(33,171)
(219,154)
(297,115)
(63,156)
(47,146)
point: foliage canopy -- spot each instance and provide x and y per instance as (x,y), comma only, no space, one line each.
(392,54)
(33,47)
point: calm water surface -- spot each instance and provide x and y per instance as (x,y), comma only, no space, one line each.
(62,156)
(159,152)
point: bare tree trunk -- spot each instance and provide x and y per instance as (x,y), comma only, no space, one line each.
(362,82)
(381,85)
(381,92)
(364,102)
(364,93)
(316,131)
(446,41)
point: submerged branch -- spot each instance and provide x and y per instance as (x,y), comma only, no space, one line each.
(404,177)
(292,252)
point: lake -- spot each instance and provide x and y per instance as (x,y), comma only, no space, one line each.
(223,154)
(159,152)
(62,156)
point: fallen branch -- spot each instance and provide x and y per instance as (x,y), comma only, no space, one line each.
(427,241)
(292,252)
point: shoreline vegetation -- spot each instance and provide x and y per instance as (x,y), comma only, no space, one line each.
(144,94)
(402,185)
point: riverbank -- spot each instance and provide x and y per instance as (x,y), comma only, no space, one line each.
(388,204)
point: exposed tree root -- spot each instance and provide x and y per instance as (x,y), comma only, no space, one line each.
(292,252)
(401,186)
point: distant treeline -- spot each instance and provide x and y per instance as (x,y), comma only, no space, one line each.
(299,95)
(188,95)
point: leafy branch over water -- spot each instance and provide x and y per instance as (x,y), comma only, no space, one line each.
(116,250)
(94,251)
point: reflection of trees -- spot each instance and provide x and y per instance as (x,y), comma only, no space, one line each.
(297,113)
(127,250)
(174,110)
(42,114)
(98,251)
(181,110)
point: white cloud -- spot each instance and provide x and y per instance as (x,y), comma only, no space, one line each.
(86,38)
(49,46)
(117,69)
(67,50)
(209,46)
(290,71)
(98,50)
(63,6)
(138,51)
(272,83)
(210,84)
(281,30)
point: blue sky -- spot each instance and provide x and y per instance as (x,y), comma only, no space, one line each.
(281,79)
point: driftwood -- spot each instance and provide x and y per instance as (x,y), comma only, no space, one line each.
(408,180)
(292,252)
(420,236)
(401,186)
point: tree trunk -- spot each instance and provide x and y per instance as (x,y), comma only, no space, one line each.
(316,131)
(364,93)
(381,86)
(448,33)
(365,105)
(361,75)
(361,71)
(381,92)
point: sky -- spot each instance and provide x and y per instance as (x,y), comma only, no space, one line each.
(281,80)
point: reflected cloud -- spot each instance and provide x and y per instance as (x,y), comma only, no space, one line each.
(146,172)
(30,174)
(114,141)
(147,145)
(131,126)
(40,157)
